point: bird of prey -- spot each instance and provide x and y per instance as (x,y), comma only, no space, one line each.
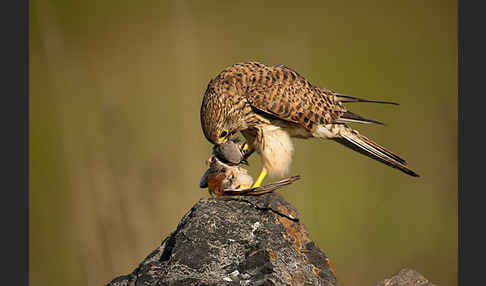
(271,104)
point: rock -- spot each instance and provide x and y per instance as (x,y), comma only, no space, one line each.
(406,277)
(236,240)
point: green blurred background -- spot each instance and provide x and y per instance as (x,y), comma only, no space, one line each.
(117,151)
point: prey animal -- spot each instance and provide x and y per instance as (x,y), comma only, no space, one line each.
(227,175)
(271,104)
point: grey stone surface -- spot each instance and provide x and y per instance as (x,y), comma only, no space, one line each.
(250,240)
(256,240)
(406,277)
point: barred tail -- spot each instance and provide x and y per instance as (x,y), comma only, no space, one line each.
(363,145)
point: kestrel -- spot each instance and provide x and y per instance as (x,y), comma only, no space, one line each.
(271,104)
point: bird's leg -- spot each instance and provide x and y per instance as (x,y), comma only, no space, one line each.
(259,181)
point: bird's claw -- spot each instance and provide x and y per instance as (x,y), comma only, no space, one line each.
(246,149)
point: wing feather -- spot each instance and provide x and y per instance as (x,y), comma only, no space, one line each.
(349,116)
(283,93)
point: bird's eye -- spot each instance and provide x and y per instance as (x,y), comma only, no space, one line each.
(222,136)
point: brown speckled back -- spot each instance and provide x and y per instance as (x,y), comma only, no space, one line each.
(278,91)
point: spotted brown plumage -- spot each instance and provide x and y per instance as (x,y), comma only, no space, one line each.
(270,104)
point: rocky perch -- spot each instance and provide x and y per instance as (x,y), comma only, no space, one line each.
(241,240)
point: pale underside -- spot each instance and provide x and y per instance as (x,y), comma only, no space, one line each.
(274,143)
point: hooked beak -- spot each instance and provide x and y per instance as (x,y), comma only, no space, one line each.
(222,140)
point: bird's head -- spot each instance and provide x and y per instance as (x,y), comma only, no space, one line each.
(217,130)
(218,118)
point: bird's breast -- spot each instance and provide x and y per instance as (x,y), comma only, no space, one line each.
(276,150)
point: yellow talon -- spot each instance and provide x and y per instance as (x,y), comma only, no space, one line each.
(245,147)
(259,181)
